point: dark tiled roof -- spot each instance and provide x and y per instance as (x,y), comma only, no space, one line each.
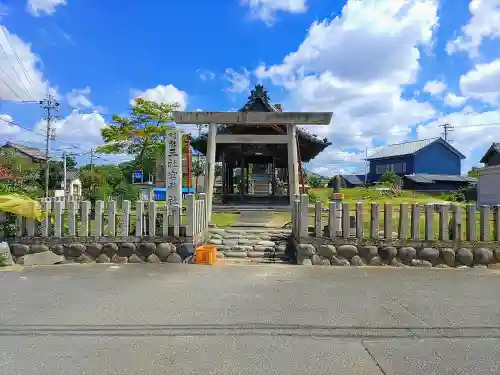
(71,175)
(495,147)
(425,178)
(354,179)
(32,152)
(410,148)
(259,101)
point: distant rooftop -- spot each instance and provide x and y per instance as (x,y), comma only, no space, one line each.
(410,148)
(32,152)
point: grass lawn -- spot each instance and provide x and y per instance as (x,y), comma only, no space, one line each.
(371,195)
(224,219)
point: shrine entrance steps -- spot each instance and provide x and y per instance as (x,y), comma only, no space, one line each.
(252,245)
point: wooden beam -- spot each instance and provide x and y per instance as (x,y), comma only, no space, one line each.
(254,118)
(250,138)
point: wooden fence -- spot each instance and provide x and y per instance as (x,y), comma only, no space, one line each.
(82,219)
(427,222)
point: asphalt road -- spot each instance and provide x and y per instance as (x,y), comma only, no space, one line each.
(187,319)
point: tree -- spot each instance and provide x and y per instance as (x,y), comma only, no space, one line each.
(71,162)
(142,133)
(91,179)
(18,174)
(473,173)
(314,182)
(197,169)
(390,178)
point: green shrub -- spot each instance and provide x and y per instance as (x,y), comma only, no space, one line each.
(313,197)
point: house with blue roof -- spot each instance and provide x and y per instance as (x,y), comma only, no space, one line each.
(426,164)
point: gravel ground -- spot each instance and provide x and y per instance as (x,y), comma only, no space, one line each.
(265,319)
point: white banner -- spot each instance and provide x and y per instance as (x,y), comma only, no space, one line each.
(173,167)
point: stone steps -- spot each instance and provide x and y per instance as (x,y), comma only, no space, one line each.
(263,244)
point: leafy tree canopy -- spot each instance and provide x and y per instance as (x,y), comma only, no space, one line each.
(142,133)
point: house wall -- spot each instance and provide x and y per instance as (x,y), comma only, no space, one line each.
(437,159)
(487,186)
(378,166)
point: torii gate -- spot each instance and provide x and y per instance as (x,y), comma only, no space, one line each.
(290,119)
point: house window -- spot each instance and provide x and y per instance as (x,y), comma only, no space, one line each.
(395,167)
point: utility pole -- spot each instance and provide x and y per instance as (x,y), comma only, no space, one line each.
(50,105)
(91,159)
(447,128)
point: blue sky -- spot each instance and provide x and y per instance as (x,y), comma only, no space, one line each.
(390,71)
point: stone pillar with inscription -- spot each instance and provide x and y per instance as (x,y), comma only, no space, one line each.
(173,168)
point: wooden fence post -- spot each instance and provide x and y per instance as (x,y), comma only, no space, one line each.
(359,220)
(318,219)
(139,218)
(429,221)
(46,210)
(496,220)
(58,219)
(374,215)
(484,224)
(98,222)
(403,221)
(190,215)
(415,222)
(177,219)
(443,233)
(126,218)
(112,218)
(86,205)
(388,221)
(72,218)
(470,222)
(346,221)
(152,218)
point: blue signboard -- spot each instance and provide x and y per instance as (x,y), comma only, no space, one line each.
(138,175)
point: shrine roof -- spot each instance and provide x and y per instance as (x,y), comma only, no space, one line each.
(258,101)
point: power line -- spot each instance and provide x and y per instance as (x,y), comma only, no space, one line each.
(85,152)
(23,68)
(447,128)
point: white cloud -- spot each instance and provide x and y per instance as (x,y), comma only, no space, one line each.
(8,129)
(472,131)
(79,98)
(454,100)
(357,66)
(484,23)
(482,82)
(240,82)
(163,94)
(434,87)
(38,7)
(205,75)
(266,9)
(76,133)
(20,78)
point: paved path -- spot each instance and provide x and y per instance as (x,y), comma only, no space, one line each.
(187,319)
(254,219)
